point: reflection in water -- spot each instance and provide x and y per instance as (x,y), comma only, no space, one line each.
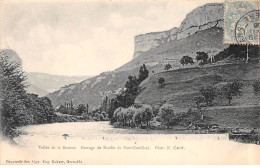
(34,135)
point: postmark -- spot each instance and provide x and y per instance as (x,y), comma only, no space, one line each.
(247,28)
(241,22)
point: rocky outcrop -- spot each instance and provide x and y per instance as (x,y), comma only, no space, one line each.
(145,42)
(156,49)
(201,18)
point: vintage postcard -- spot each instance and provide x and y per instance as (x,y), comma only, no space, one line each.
(97,82)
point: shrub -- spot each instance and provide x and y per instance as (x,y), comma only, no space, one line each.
(147,113)
(161,81)
(130,113)
(137,117)
(167,67)
(202,57)
(166,114)
(186,60)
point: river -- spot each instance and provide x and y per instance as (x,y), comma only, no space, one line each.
(34,135)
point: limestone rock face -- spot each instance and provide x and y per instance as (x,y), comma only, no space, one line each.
(201,18)
(145,42)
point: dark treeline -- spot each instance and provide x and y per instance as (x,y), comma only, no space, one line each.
(18,107)
(127,96)
(69,108)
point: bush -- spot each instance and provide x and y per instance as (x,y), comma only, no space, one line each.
(161,81)
(147,113)
(137,117)
(167,67)
(186,60)
(130,113)
(166,114)
(202,57)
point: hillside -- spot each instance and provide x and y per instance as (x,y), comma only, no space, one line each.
(155,50)
(35,90)
(92,90)
(209,40)
(182,85)
(49,83)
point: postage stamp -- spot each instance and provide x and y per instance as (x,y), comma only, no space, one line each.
(242,22)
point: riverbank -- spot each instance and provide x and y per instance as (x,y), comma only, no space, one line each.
(241,123)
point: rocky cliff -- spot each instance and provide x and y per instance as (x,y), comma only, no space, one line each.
(201,18)
(145,42)
(200,31)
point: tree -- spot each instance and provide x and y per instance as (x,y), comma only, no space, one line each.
(19,108)
(12,93)
(161,81)
(202,57)
(118,114)
(62,109)
(130,113)
(167,67)
(186,60)
(143,73)
(166,114)
(81,109)
(209,93)
(146,113)
(111,109)
(137,117)
(232,89)
(87,108)
(256,86)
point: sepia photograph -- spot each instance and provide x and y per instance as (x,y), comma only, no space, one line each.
(131,82)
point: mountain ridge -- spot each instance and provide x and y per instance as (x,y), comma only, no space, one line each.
(205,37)
(195,21)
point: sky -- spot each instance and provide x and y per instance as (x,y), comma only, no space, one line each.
(83,38)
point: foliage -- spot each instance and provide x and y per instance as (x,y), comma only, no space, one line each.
(131,90)
(237,51)
(166,114)
(256,86)
(161,81)
(81,109)
(133,115)
(127,97)
(143,73)
(209,93)
(202,57)
(232,89)
(146,112)
(130,111)
(186,60)
(167,67)
(137,117)
(18,107)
